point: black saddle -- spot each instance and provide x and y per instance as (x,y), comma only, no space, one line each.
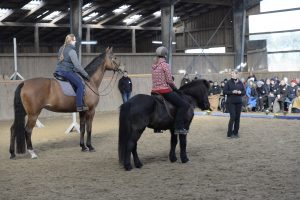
(163,106)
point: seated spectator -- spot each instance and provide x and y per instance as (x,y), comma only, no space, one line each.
(251,93)
(292,92)
(262,93)
(215,89)
(282,95)
(222,87)
(273,91)
(296,103)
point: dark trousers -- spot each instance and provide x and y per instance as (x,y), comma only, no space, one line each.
(76,81)
(234,121)
(182,108)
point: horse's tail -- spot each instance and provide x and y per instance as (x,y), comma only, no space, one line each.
(19,122)
(124,130)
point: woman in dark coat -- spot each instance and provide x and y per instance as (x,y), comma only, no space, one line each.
(234,89)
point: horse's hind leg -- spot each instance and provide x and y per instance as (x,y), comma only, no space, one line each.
(174,140)
(82,116)
(89,119)
(28,132)
(183,155)
(12,142)
(137,162)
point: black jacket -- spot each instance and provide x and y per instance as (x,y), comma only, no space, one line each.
(229,87)
(125,84)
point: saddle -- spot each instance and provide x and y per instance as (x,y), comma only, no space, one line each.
(67,88)
(163,106)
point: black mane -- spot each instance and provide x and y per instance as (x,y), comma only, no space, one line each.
(94,64)
(194,83)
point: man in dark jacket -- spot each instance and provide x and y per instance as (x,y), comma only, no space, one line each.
(125,87)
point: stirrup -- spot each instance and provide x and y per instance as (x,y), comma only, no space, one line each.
(82,108)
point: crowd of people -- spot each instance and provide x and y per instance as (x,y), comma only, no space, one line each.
(264,95)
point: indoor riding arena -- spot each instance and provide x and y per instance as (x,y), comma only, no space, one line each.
(44,152)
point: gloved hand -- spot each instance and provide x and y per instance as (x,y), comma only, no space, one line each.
(174,88)
(87,78)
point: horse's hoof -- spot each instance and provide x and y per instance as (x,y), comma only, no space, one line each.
(184,159)
(12,156)
(91,149)
(173,159)
(128,167)
(138,165)
(84,149)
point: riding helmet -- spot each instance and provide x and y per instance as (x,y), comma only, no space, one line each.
(162,51)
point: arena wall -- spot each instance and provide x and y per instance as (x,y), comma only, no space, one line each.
(138,65)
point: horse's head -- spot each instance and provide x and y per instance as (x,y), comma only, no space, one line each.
(198,89)
(110,61)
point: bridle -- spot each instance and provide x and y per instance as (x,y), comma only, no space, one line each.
(115,69)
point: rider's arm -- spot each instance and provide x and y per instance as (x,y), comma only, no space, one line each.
(168,75)
(77,65)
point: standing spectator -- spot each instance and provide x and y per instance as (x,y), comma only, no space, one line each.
(296,103)
(125,86)
(234,89)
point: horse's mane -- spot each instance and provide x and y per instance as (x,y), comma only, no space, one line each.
(194,83)
(94,64)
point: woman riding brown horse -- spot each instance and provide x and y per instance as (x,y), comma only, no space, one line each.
(32,95)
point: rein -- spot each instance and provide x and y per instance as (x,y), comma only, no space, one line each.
(105,94)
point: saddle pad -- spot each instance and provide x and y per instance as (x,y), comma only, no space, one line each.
(66,88)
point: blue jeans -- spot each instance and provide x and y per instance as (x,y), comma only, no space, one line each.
(126,96)
(76,81)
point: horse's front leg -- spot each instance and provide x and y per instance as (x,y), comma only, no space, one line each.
(174,140)
(182,141)
(82,116)
(89,121)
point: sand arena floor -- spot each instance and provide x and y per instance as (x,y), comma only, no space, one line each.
(264,163)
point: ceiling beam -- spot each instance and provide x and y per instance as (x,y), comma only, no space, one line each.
(212,2)
(95,26)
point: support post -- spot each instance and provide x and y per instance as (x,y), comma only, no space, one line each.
(133,42)
(167,12)
(76,29)
(239,20)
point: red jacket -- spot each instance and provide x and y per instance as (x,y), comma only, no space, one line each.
(161,77)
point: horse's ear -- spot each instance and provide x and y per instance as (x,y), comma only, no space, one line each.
(107,49)
(111,49)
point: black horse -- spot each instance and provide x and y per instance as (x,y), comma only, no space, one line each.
(143,111)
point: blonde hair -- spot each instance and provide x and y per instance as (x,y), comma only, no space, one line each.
(68,40)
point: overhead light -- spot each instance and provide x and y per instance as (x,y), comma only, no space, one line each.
(93,42)
(5,13)
(132,19)
(32,4)
(160,42)
(157,13)
(175,19)
(121,9)
(86,6)
(92,15)
(52,15)
(209,50)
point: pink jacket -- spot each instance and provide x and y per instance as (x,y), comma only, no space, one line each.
(161,77)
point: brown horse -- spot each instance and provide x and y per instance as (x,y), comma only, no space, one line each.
(32,95)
